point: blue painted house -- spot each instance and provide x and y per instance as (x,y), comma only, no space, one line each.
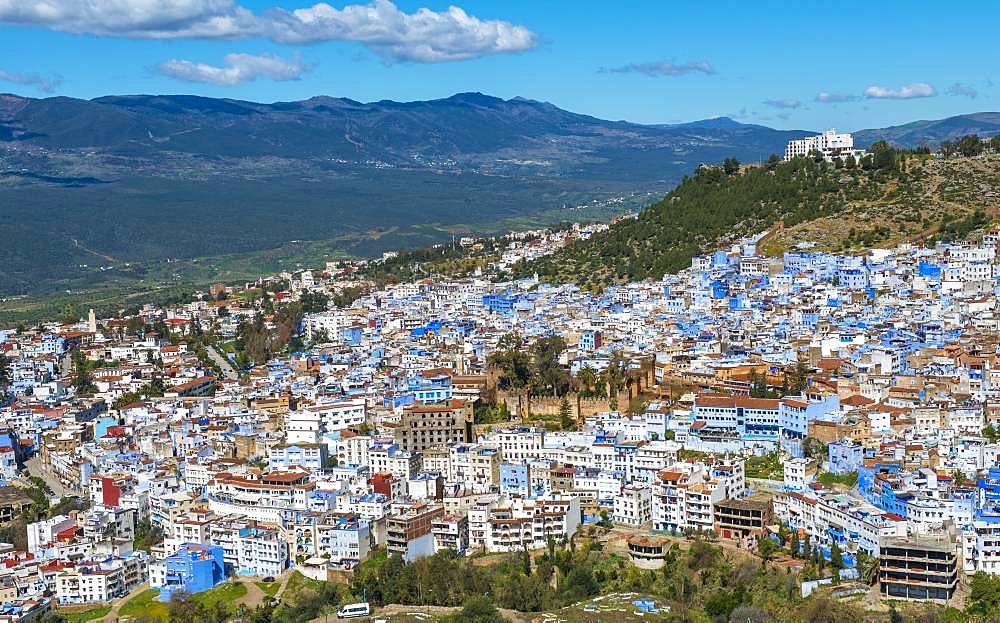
(193,568)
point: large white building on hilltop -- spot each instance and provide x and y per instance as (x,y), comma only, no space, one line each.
(830,144)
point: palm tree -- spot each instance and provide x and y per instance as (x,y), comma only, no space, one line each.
(867,568)
(587,377)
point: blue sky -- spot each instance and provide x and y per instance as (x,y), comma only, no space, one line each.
(879,63)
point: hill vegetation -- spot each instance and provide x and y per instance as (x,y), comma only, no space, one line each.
(890,196)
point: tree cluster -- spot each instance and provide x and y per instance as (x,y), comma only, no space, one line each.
(969,145)
(535,368)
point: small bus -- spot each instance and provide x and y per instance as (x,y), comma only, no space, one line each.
(354,610)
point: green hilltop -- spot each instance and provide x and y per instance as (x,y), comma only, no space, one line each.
(890,196)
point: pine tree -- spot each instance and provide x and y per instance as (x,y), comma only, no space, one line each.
(5,377)
(566,415)
(836,558)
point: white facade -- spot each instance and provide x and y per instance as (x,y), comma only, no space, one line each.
(830,143)
(634,506)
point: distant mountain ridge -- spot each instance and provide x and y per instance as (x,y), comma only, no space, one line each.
(471,129)
(932,132)
(715,123)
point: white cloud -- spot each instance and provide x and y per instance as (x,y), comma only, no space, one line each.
(424,36)
(663,68)
(825,97)
(239,68)
(149,19)
(45,85)
(965,90)
(783,103)
(910,91)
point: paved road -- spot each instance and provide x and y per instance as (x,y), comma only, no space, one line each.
(228,371)
(66,364)
(34,465)
(392,611)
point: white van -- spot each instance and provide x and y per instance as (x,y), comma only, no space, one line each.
(354,610)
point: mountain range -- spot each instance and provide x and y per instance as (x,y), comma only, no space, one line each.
(932,132)
(467,131)
(110,188)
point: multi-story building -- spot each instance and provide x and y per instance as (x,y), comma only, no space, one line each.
(353,449)
(310,456)
(739,519)
(270,498)
(518,444)
(451,532)
(41,533)
(425,426)
(924,569)
(844,457)
(193,568)
(391,458)
(847,519)
(99,582)
(513,524)
(249,548)
(13,503)
(633,506)
(829,144)
(476,464)
(344,539)
(409,527)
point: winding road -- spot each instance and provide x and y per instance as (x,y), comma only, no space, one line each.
(228,371)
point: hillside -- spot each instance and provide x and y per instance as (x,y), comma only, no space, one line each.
(104,191)
(909,197)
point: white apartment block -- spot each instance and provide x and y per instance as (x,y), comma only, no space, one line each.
(855,519)
(93,582)
(41,533)
(343,539)
(633,506)
(830,144)
(981,547)
(518,444)
(517,523)
(353,450)
(249,549)
(271,498)
(400,463)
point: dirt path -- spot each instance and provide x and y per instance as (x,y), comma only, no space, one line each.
(112,616)
(82,247)
(254,596)
(284,584)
